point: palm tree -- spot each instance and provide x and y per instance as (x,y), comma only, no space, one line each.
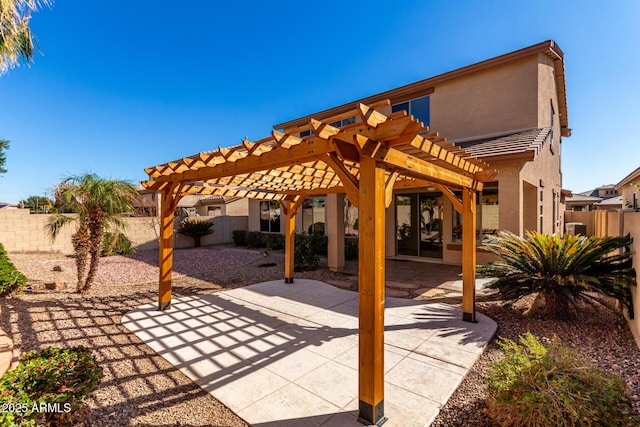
(561,271)
(16,40)
(98,203)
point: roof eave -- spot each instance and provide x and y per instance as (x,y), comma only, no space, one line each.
(425,87)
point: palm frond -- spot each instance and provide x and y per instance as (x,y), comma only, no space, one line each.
(55,223)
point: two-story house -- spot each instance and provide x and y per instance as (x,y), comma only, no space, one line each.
(510,111)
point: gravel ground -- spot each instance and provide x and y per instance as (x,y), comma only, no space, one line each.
(141,389)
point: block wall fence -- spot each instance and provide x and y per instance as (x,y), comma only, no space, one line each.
(21,231)
(616,223)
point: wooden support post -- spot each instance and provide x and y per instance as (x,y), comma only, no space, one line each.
(371,281)
(468,255)
(335,231)
(290,209)
(167,207)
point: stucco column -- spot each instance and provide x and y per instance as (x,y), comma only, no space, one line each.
(335,231)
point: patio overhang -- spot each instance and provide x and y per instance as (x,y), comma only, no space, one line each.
(365,160)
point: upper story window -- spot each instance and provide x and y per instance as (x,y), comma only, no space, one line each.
(338,124)
(552,113)
(418,108)
(344,122)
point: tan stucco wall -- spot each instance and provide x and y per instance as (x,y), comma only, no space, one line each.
(493,100)
(632,226)
(587,218)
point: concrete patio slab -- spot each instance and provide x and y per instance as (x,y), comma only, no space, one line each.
(287,354)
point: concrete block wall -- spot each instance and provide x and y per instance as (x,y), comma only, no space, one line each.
(21,231)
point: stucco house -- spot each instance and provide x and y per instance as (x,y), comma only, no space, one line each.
(629,190)
(510,111)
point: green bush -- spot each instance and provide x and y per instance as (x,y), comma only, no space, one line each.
(55,376)
(350,250)
(11,280)
(305,256)
(561,271)
(116,244)
(316,228)
(254,239)
(319,243)
(239,237)
(538,386)
(196,229)
(273,240)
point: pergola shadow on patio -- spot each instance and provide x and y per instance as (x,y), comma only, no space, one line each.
(365,160)
(283,355)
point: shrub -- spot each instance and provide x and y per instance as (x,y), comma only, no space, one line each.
(538,386)
(316,228)
(561,270)
(239,237)
(305,257)
(254,240)
(273,240)
(11,280)
(117,244)
(196,229)
(351,250)
(319,243)
(55,375)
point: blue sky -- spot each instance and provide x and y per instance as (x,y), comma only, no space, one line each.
(125,85)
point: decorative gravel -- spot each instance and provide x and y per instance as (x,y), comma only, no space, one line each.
(142,267)
(140,388)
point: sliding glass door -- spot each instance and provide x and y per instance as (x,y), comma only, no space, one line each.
(419,224)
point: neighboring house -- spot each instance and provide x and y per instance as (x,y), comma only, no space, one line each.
(581,203)
(213,206)
(510,111)
(605,197)
(149,203)
(4,205)
(629,188)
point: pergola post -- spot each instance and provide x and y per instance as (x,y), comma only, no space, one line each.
(468,255)
(167,207)
(371,281)
(290,209)
(335,231)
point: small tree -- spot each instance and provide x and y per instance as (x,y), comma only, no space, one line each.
(561,270)
(38,203)
(98,202)
(196,229)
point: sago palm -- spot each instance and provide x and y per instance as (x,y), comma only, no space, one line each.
(561,270)
(196,229)
(98,203)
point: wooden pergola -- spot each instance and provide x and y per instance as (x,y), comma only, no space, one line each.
(366,160)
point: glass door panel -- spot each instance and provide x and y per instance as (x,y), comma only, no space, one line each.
(407,236)
(430,225)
